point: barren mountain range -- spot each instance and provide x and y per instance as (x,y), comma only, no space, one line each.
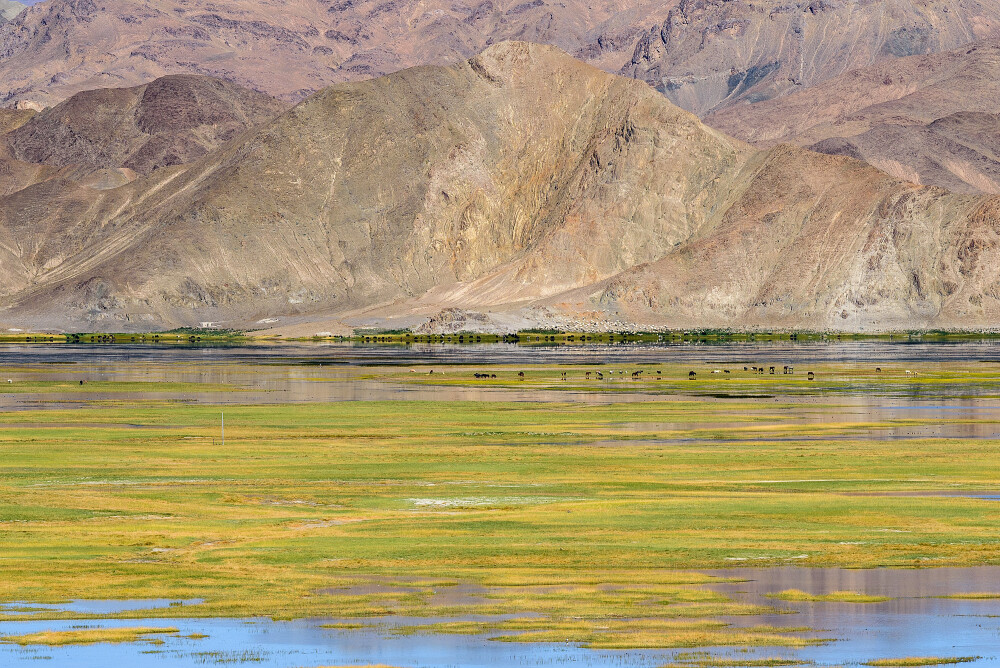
(709,54)
(703,54)
(107,137)
(288,48)
(521,186)
(929,119)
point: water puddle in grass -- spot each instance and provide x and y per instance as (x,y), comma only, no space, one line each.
(95,607)
(267,643)
(915,622)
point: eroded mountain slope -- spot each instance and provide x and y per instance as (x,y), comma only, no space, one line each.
(521,160)
(105,138)
(828,243)
(290,48)
(709,54)
(929,119)
(170,121)
(704,54)
(519,182)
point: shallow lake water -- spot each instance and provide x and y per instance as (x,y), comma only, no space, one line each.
(327,372)
(913,623)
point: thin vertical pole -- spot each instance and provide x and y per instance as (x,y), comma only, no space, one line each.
(223,428)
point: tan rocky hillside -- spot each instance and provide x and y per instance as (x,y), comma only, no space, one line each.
(830,243)
(105,138)
(170,121)
(289,48)
(929,119)
(521,185)
(709,54)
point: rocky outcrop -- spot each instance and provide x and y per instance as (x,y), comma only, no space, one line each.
(171,121)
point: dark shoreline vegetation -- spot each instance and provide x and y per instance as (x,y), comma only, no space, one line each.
(533,337)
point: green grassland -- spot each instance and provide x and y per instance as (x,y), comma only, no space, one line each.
(592,517)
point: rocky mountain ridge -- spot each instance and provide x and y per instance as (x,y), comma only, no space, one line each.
(703,54)
(522,185)
(106,138)
(709,54)
(287,48)
(930,119)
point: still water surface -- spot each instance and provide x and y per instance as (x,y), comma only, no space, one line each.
(913,623)
(326,372)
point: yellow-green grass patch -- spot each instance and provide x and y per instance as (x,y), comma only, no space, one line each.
(832,597)
(921,661)
(88,636)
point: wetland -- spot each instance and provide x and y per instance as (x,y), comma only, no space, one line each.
(381,504)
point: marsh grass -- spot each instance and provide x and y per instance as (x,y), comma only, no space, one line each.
(921,661)
(705,660)
(832,597)
(623,634)
(310,500)
(89,636)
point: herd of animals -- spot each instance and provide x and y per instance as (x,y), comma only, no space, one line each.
(638,375)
